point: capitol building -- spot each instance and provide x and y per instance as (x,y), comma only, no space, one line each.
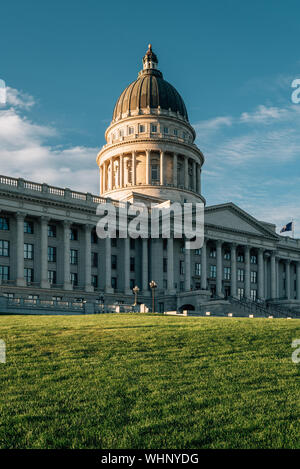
(50,252)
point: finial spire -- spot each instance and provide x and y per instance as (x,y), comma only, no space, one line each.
(150,59)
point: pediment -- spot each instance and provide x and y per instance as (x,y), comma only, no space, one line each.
(231,217)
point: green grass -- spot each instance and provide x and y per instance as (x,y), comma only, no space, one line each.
(143,381)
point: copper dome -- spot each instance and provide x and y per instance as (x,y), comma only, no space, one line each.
(150,90)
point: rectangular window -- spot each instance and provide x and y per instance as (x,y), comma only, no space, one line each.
(28,275)
(4,248)
(241,275)
(197,268)
(28,251)
(51,254)
(95,281)
(165,284)
(114,282)
(240,293)
(175,132)
(240,257)
(165,244)
(227,255)
(130,130)
(52,231)
(9,295)
(94,259)
(4,272)
(52,277)
(142,128)
(74,278)
(114,243)
(166,130)
(253,259)
(213,253)
(227,273)
(114,262)
(165,265)
(181,267)
(198,252)
(213,271)
(73,256)
(253,276)
(253,295)
(94,237)
(28,227)
(73,234)
(132,264)
(154,172)
(153,128)
(4,223)
(132,244)
(181,286)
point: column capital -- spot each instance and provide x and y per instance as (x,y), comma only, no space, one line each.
(219,242)
(88,226)
(287,261)
(233,246)
(45,218)
(20,215)
(66,223)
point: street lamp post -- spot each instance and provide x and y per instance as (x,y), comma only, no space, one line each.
(135,291)
(153,285)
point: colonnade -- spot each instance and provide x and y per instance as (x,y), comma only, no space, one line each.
(121,171)
(264,256)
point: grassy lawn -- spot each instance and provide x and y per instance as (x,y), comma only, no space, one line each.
(142,381)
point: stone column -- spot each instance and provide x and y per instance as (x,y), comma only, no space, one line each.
(44,253)
(66,244)
(175,169)
(288,279)
(20,281)
(162,176)
(277,278)
(145,266)
(121,171)
(194,176)
(88,259)
(133,168)
(298,280)
(247,272)
(186,172)
(273,275)
(148,167)
(111,174)
(233,270)
(187,265)
(219,269)
(108,287)
(101,179)
(204,266)
(261,275)
(198,179)
(127,290)
(170,254)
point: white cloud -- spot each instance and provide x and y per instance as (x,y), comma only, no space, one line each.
(264,114)
(19,99)
(25,152)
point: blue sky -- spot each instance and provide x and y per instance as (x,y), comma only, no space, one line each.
(66,62)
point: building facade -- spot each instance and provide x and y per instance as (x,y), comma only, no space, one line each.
(49,249)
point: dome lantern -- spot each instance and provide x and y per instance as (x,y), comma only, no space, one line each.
(150,59)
